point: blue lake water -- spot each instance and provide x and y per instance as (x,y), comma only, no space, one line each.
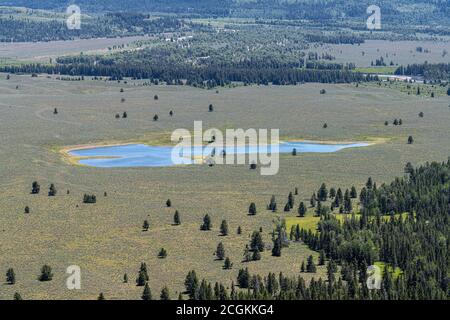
(141,155)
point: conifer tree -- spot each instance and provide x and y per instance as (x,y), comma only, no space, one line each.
(220,251)
(164,294)
(224,228)
(10,276)
(146,294)
(176,218)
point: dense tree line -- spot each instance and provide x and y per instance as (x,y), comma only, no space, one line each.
(16,29)
(404,224)
(433,72)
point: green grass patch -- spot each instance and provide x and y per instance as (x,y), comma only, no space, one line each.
(376,70)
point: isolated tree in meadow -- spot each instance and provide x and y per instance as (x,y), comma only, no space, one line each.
(27,209)
(146,294)
(121,90)
(303,268)
(310,266)
(168,203)
(287,207)
(89,199)
(256,242)
(145,225)
(220,251)
(155,117)
(125,278)
(164,294)
(224,228)
(294,152)
(117,116)
(207,225)
(46,273)
(253,166)
(156,97)
(302,209)
(400,122)
(323,91)
(124,114)
(296,191)
(52,190)
(176,218)
(252,209)
(410,140)
(291,200)
(239,230)
(10,276)
(386,123)
(227,264)
(325,125)
(395,122)
(420,114)
(171,113)
(55,111)
(162,253)
(17,296)
(101,297)
(211,108)
(35,187)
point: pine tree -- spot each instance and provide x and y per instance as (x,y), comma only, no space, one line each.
(145,225)
(220,251)
(101,297)
(17,296)
(302,210)
(276,250)
(52,190)
(322,258)
(322,194)
(125,278)
(239,230)
(164,294)
(256,255)
(256,243)
(291,200)
(176,218)
(252,209)
(146,294)
(162,253)
(168,203)
(35,187)
(224,228)
(410,140)
(207,225)
(227,264)
(191,284)
(10,276)
(46,273)
(310,266)
(353,193)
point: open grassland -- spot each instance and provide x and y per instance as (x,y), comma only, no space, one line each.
(105,239)
(399,52)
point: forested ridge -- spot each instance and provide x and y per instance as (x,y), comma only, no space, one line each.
(412,243)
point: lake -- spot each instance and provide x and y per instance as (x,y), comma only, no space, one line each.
(141,155)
